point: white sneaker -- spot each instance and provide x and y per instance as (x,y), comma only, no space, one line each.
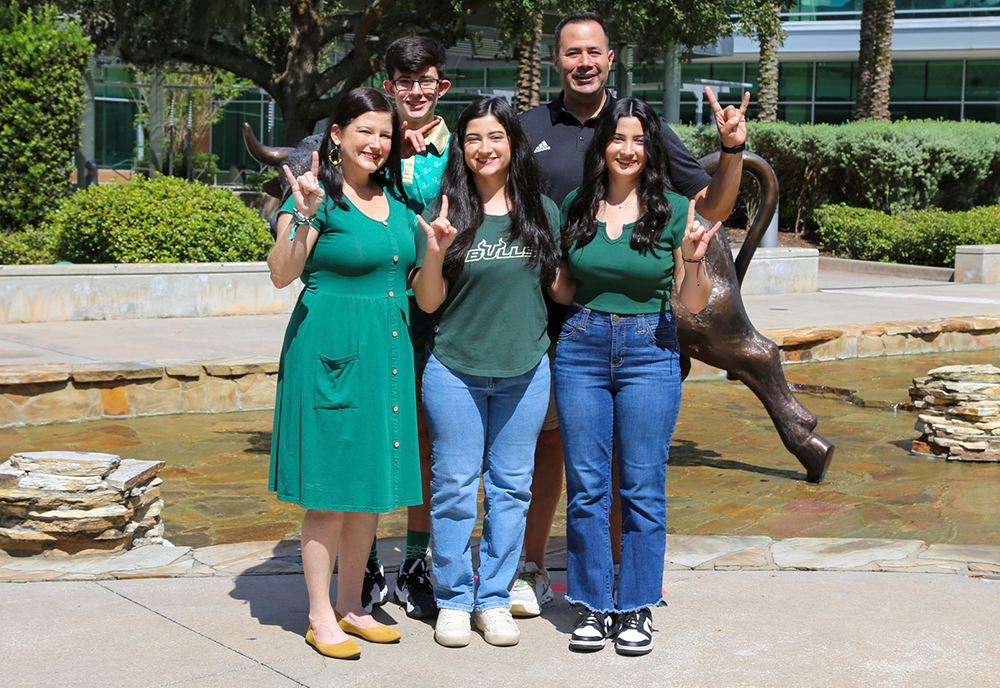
(532,588)
(498,626)
(453,628)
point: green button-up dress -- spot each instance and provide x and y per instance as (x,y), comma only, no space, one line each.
(345,421)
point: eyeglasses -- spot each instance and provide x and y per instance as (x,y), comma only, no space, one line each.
(427,85)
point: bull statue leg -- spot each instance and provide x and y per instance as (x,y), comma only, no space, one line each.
(722,335)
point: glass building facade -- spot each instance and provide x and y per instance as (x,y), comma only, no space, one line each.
(963,85)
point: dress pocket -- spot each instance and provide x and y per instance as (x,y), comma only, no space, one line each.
(336,382)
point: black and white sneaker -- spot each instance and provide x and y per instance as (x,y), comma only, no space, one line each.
(635,633)
(374,589)
(591,632)
(413,590)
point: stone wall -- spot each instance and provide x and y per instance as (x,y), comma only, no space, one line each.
(33,395)
(78,502)
(887,339)
(958,411)
(38,394)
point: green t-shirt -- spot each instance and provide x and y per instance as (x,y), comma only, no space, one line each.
(493,321)
(613,277)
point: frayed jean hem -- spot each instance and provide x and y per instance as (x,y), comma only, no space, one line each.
(573,600)
(659,603)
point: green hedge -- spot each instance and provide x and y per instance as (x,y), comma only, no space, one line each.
(917,237)
(42,60)
(31,247)
(165,220)
(893,167)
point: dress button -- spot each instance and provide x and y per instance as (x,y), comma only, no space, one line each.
(392,293)
(396,445)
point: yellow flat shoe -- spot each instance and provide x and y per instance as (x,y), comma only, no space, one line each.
(379,634)
(347,649)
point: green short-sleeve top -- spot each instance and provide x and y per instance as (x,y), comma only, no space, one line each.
(493,321)
(613,277)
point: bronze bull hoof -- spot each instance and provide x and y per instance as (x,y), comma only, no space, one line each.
(816,455)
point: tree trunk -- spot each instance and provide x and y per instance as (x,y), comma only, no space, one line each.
(875,59)
(767,79)
(529,68)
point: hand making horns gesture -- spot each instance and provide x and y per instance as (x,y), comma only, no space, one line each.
(732,121)
(440,232)
(413,139)
(306,189)
(696,237)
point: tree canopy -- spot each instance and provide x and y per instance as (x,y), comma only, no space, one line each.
(306,53)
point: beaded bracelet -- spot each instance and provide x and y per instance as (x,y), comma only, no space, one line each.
(298,219)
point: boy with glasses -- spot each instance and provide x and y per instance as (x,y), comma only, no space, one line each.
(415,66)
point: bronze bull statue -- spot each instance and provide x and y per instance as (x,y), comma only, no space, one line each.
(721,335)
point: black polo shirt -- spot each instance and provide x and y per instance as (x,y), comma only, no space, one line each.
(560,142)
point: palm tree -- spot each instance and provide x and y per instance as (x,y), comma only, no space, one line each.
(875,59)
(771,36)
(529,66)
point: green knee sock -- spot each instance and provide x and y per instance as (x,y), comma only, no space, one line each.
(373,555)
(416,544)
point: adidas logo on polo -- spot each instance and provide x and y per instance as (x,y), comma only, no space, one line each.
(543,146)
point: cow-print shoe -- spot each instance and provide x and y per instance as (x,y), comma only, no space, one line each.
(635,633)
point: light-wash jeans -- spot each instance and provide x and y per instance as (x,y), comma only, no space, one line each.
(480,426)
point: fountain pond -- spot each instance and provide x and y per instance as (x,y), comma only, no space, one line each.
(728,474)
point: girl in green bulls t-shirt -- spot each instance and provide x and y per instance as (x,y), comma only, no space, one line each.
(628,244)
(487,251)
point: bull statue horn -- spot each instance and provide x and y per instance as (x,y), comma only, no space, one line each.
(265,155)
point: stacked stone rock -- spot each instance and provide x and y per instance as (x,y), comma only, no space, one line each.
(77,502)
(958,410)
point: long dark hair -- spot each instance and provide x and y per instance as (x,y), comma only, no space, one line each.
(528,221)
(654,209)
(356,103)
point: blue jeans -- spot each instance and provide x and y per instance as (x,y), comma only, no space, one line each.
(618,388)
(480,426)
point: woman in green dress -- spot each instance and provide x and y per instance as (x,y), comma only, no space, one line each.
(345,430)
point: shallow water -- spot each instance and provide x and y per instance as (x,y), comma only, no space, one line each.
(728,474)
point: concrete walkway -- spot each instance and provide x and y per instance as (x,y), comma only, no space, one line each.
(750,612)
(740,613)
(843,298)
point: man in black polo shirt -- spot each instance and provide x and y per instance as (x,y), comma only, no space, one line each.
(560,133)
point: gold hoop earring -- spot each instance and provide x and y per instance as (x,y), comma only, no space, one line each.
(334,156)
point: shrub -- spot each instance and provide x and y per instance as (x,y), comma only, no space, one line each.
(892,167)
(164,220)
(30,247)
(42,60)
(918,237)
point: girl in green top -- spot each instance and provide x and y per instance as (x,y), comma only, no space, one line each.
(629,243)
(487,251)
